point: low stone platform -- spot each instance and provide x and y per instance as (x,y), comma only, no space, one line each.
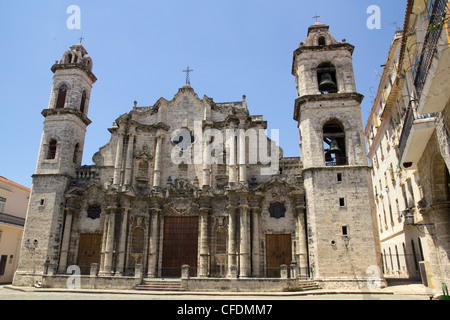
(228,285)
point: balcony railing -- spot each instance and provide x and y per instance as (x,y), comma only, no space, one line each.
(407,125)
(430,43)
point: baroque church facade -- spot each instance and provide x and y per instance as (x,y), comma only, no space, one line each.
(194,188)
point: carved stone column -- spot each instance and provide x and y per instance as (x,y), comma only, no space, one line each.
(256,262)
(206,162)
(242,157)
(120,267)
(66,240)
(204,252)
(129,160)
(244,244)
(153,243)
(108,253)
(231,158)
(302,243)
(119,152)
(158,157)
(231,246)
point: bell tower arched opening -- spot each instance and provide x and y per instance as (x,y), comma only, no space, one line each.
(334,144)
(326,76)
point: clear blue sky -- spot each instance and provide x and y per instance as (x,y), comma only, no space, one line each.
(140,48)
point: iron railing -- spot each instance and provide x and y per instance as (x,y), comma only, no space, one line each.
(430,43)
(407,125)
(338,161)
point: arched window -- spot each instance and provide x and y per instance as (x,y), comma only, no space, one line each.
(75,152)
(61,101)
(51,154)
(334,144)
(322,41)
(83,101)
(69,58)
(326,77)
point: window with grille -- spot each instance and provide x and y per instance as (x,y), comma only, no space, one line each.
(51,154)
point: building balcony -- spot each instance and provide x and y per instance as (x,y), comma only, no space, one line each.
(431,72)
(417,130)
(85,175)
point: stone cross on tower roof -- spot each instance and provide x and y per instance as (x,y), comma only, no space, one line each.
(316,17)
(188,80)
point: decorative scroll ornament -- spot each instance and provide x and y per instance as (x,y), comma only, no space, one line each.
(94,211)
(277,210)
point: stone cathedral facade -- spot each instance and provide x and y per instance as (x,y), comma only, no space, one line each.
(194,188)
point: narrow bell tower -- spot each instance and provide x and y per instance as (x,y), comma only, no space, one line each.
(343,238)
(60,153)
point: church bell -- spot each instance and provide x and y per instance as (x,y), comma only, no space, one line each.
(334,148)
(326,83)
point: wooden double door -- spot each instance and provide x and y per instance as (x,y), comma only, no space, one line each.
(89,251)
(278,252)
(180,245)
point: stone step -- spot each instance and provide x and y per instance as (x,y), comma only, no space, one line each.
(160,285)
(309,285)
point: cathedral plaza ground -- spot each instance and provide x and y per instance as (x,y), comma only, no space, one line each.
(397,292)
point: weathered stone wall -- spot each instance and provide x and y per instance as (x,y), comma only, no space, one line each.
(326,218)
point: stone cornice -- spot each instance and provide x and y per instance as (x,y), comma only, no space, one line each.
(326,98)
(65,111)
(65,66)
(331,47)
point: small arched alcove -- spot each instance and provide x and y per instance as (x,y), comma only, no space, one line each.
(321,41)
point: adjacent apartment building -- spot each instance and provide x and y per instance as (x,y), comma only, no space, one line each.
(13,209)
(408,146)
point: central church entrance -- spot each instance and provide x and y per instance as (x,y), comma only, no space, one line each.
(278,252)
(180,245)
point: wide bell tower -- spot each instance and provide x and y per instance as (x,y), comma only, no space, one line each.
(60,153)
(342,227)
